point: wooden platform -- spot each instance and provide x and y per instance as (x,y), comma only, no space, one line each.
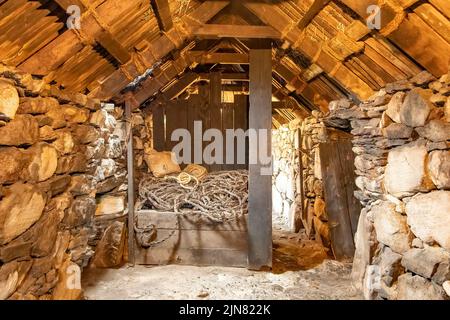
(196,241)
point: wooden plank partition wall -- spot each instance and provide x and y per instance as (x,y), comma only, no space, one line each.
(260,186)
(182,114)
(194,240)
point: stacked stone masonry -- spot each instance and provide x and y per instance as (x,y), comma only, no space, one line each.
(62,188)
(401,142)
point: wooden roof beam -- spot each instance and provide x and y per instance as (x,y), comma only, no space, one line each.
(175,38)
(202,57)
(93,30)
(236,31)
(163,15)
(312,12)
(273,16)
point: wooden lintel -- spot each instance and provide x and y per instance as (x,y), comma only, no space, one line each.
(236,31)
(227,77)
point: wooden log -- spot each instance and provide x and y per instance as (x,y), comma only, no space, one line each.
(9,100)
(162,11)
(21,206)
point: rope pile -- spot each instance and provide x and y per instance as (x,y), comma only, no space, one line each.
(220,196)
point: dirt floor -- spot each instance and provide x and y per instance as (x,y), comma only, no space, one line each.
(302,270)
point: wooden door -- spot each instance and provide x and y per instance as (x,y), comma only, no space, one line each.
(343,209)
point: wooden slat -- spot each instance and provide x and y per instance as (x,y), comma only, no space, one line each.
(168,221)
(227,123)
(236,31)
(215,105)
(194,256)
(176,118)
(260,185)
(336,199)
(131,190)
(241,122)
(158,128)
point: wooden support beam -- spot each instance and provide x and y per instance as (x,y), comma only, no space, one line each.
(236,31)
(220,58)
(131,190)
(312,12)
(260,177)
(162,12)
(228,76)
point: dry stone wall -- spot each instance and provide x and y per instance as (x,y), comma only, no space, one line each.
(62,175)
(401,142)
(285,180)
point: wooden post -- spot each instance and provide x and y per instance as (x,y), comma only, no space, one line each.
(130,168)
(260,183)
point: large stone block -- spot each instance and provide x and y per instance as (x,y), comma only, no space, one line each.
(23,130)
(429,218)
(435,130)
(405,171)
(391,227)
(9,100)
(439,168)
(429,262)
(416,107)
(393,108)
(417,288)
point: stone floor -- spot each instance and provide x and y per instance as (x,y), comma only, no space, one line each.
(302,270)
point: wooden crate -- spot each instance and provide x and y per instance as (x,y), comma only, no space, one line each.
(196,241)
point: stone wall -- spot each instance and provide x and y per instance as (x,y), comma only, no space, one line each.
(62,179)
(315,220)
(401,139)
(285,183)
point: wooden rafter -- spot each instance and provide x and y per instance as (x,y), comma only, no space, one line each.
(312,12)
(158,49)
(162,12)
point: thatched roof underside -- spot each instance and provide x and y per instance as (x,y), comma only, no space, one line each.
(322,49)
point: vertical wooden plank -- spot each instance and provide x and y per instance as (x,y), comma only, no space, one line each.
(227,123)
(215,104)
(260,184)
(158,128)
(131,191)
(193,115)
(347,158)
(176,118)
(335,192)
(205,114)
(241,122)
